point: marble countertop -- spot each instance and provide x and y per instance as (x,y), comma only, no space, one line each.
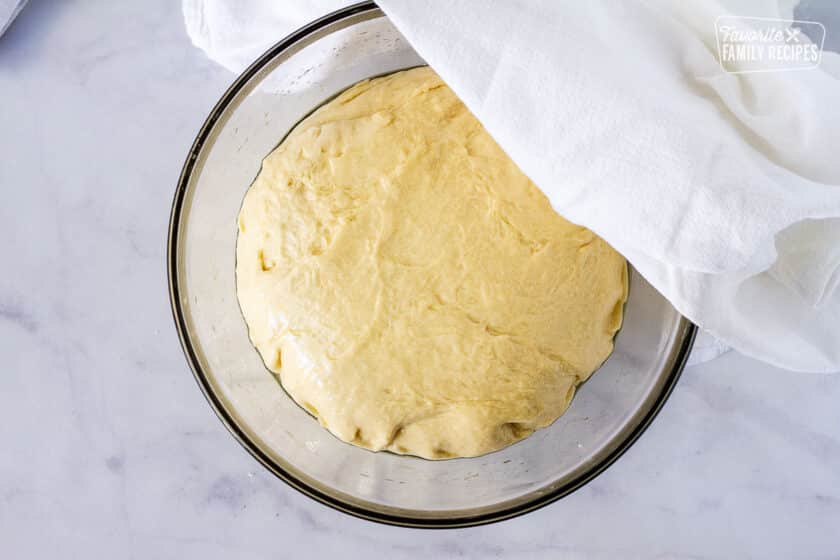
(109,449)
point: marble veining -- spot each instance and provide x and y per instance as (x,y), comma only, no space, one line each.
(108,448)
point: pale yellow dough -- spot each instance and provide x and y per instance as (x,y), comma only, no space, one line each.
(411,287)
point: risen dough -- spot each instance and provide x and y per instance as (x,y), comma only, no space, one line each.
(411,287)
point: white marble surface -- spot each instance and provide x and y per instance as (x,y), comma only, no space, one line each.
(110,451)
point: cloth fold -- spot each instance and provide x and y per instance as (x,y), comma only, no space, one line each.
(723,190)
(9,10)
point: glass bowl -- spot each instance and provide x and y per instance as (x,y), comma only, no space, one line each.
(608,413)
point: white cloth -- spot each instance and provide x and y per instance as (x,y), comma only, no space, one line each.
(235,33)
(9,9)
(723,190)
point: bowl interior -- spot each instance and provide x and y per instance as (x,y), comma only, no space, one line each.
(606,415)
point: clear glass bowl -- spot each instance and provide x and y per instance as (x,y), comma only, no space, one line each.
(607,414)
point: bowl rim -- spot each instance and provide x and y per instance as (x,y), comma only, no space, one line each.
(686,330)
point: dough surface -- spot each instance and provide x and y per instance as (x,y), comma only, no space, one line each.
(410,286)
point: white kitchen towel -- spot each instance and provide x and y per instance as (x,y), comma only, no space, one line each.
(235,33)
(722,189)
(9,9)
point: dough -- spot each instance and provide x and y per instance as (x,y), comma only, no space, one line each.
(410,286)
